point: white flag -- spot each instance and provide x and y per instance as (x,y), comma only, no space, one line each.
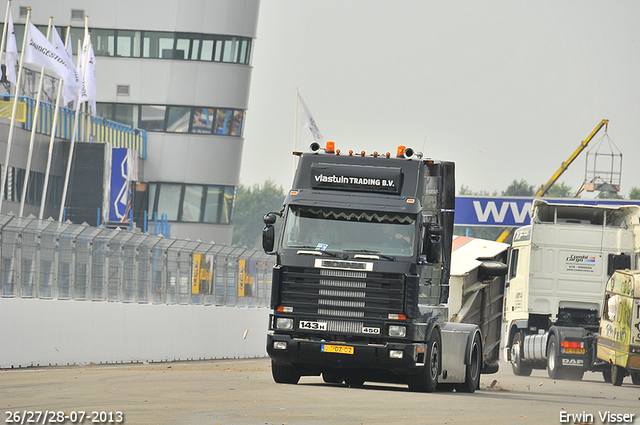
(308,121)
(39,51)
(12,51)
(69,92)
(88,93)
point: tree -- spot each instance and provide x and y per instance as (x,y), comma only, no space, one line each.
(521,188)
(250,207)
(465,191)
(560,191)
(634,193)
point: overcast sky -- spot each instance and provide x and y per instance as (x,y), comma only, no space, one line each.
(506,89)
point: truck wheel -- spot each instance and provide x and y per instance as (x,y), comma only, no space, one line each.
(553,368)
(284,374)
(635,378)
(517,365)
(472,375)
(617,375)
(606,375)
(426,380)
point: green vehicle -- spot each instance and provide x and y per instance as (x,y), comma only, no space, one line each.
(619,335)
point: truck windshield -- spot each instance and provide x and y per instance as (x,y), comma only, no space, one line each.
(343,230)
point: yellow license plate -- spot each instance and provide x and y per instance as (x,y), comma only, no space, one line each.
(341,349)
(573,350)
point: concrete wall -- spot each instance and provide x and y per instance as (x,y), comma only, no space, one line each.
(38,332)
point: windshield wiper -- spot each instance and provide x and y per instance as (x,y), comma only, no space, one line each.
(311,250)
(374,253)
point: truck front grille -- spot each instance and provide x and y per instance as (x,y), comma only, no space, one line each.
(342,293)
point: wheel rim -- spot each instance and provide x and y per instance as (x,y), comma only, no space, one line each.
(433,363)
(515,353)
(552,357)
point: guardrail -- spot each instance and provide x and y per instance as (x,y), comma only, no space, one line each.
(47,259)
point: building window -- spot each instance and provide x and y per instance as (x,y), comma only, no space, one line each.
(203,120)
(178,119)
(168,200)
(191,203)
(151,117)
(212,204)
(157,45)
(175,119)
(103,42)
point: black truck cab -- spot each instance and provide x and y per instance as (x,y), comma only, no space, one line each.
(360,285)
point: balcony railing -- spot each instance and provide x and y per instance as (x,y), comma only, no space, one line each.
(90,128)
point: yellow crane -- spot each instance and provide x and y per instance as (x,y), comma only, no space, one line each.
(506,232)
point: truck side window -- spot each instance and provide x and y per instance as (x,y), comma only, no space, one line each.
(513,263)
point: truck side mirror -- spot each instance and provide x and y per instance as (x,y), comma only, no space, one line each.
(268,232)
(433,242)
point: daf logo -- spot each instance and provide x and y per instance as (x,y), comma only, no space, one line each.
(572,362)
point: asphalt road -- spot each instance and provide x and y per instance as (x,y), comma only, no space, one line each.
(243,392)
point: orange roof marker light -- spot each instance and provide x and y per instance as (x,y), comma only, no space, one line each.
(400,153)
(330,148)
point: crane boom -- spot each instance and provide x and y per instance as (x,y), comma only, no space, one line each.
(563,167)
(545,188)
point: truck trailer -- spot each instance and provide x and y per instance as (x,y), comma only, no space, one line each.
(361,280)
(558,269)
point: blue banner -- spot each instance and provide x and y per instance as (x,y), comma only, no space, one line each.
(124,171)
(512,211)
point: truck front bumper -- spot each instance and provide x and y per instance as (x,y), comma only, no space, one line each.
(398,358)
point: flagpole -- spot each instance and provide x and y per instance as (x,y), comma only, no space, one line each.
(4,28)
(295,132)
(13,112)
(75,124)
(33,131)
(54,128)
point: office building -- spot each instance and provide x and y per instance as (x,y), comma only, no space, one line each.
(179,70)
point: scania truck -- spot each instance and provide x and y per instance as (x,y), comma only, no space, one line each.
(360,285)
(558,270)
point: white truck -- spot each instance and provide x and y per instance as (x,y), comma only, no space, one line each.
(558,269)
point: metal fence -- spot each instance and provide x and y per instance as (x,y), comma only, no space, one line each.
(51,260)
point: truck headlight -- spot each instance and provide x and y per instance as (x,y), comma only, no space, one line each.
(284,323)
(397,330)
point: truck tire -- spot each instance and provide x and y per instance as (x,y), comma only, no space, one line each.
(553,368)
(284,374)
(606,375)
(635,378)
(617,375)
(426,380)
(472,375)
(517,365)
